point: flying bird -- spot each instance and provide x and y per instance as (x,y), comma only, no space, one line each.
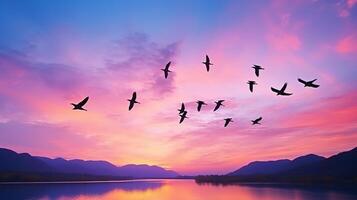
(281,91)
(218,104)
(256,69)
(183,116)
(256,121)
(309,83)
(227,121)
(251,84)
(207,63)
(166,69)
(199,105)
(132,101)
(79,106)
(182,109)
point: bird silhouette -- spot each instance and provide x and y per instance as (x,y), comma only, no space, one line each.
(218,104)
(281,91)
(256,69)
(309,83)
(207,63)
(199,105)
(182,109)
(132,101)
(228,120)
(256,121)
(251,84)
(79,106)
(166,69)
(183,116)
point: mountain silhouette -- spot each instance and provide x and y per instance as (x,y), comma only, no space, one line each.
(81,166)
(272,167)
(146,171)
(337,169)
(25,164)
(340,165)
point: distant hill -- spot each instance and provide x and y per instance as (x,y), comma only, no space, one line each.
(146,171)
(81,166)
(14,163)
(341,165)
(272,167)
(340,168)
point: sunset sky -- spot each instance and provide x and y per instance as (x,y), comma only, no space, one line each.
(53,53)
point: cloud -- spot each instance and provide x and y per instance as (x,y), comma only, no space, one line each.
(344,7)
(283,30)
(342,109)
(27,86)
(22,73)
(351,3)
(45,139)
(347,45)
(137,59)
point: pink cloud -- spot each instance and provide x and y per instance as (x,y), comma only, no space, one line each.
(347,45)
(351,3)
(344,7)
(284,41)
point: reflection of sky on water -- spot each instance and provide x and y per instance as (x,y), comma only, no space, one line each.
(171,190)
(57,190)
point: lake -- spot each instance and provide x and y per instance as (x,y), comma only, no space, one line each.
(168,190)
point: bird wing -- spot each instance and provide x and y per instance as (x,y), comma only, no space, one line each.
(259,119)
(284,87)
(313,80)
(182,118)
(199,107)
(216,108)
(256,70)
(207,59)
(301,81)
(131,105)
(226,123)
(166,73)
(167,65)
(83,102)
(182,106)
(134,96)
(251,87)
(275,90)
(286,94)
(314,85)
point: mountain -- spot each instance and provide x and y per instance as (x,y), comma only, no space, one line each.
(25,164)
(81,166)
(261,167)
(106,168)
(146,171)
(337,169)
(272,167)
(341,165)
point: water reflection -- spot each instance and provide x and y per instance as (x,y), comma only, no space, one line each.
(71,190)
(170,190)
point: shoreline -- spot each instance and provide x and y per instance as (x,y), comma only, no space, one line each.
(90,181)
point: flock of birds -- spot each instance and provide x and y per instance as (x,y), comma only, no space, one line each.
(219,103)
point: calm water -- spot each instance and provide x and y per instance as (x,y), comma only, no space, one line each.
(167,190)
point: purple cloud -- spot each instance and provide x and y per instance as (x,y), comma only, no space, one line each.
(141,60)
